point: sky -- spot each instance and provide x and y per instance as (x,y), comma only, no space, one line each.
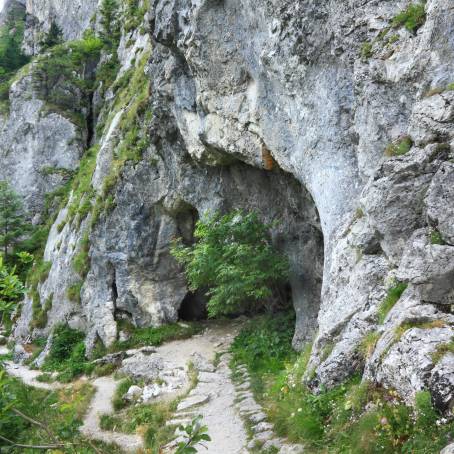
(1,4)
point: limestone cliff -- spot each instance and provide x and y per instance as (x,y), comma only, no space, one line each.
(332,117)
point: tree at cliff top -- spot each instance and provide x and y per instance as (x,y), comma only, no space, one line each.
(12,220)
(234,259)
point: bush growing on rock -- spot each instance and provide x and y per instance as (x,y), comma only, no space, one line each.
(234,259)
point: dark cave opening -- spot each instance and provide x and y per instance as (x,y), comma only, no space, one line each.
(193,307)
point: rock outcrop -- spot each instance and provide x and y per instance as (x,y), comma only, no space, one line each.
(327,117)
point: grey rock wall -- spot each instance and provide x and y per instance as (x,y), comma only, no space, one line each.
(270,105)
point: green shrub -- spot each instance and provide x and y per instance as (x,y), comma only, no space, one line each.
(11,291)
(67,354)
(436,238)
(394,294)
(368,343)
(412,17)
(399,147)
(235,260)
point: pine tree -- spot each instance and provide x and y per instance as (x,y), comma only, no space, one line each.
(53,37)
(110,28)
(12,220)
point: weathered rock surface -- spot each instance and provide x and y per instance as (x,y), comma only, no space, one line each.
(270,106)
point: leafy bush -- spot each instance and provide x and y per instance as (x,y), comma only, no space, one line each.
(67,354)
(11,290)
(235,260)
(394,294)
(412,17)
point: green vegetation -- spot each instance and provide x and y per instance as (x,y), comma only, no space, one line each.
(32,416)
(354,417)
(67,354)
(194,434)
(442,350)
(11,291)
(52,38)
(135,11)
(400,147)
(140,337)
(11,55)
(366,50)
(368,343)
(235,260)
(436,238)
(12,219)
(412,18)
(60,77)
(149,420)
(393,296)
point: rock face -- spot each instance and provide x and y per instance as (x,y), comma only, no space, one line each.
(285,107)
(73,17)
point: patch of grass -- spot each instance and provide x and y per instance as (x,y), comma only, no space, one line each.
(394,294)
(45,378)
(442,350)
(123,387)
(265,344)
(102,370)
(402,329)
(366,50)
(400,147)
(412,18)
(156,336)
(73,292)
(368,343)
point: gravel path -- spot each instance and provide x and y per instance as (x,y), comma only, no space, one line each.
(28,376)
(213,397)
(101,405)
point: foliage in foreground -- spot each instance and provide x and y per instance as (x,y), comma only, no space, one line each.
(336,420)
(11,291)
(234,260)
(57,417)
(194,433)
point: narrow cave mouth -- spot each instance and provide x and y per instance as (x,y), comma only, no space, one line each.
(193,307)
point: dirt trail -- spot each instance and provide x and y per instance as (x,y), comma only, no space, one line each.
(213,397)
(100,405)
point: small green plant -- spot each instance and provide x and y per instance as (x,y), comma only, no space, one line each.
(394,294)
(366,50)
(368,343)
(123,387)
(436,238)
(400,147)
(235,260)
(442,350)
(412,18)
(53,37)
(196,434)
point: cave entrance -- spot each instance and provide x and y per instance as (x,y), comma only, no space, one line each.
(283,202)
(193,307)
